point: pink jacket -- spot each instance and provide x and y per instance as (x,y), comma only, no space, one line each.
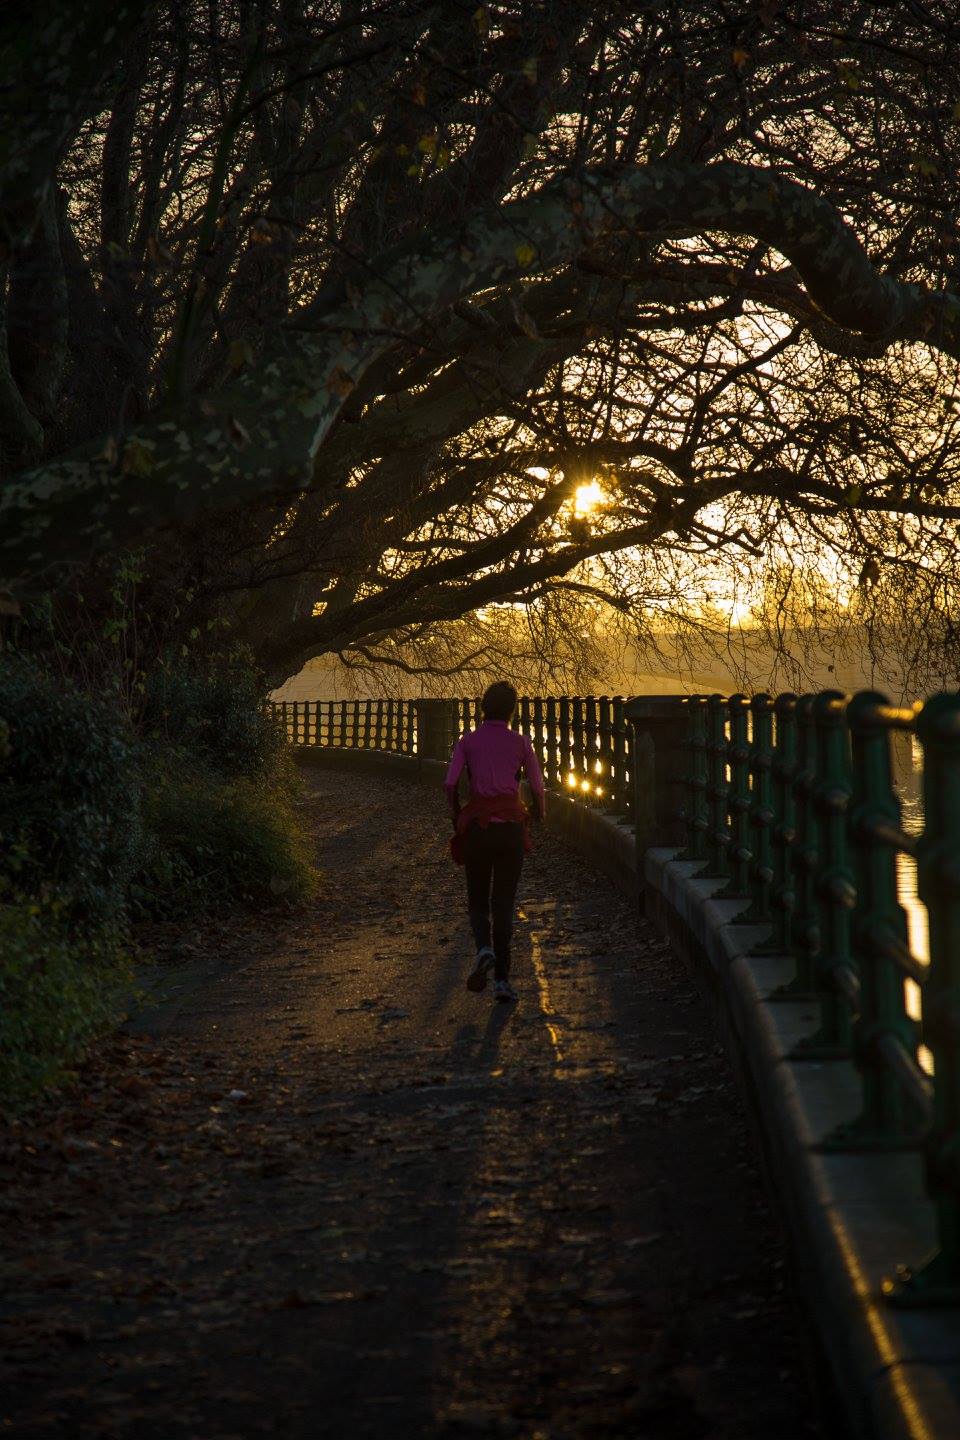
(494,757)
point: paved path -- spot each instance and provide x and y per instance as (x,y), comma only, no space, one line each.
(339,1195)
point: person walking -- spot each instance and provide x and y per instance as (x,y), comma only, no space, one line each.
(492,830)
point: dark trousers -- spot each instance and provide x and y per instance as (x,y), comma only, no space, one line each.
(493,856)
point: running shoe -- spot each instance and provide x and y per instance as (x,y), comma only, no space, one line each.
(503,990)
(477,979)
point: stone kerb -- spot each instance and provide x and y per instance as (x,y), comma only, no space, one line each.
(850,1214)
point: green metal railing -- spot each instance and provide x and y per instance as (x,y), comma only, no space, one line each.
(791,804)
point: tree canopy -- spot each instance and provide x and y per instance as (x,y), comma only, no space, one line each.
(334,308)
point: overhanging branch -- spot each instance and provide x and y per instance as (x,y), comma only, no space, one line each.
(261,433)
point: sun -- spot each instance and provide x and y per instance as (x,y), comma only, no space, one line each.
(588,497)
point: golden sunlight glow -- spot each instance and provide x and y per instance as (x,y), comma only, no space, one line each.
(588,497)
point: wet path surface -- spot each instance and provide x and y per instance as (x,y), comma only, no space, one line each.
(334,1193)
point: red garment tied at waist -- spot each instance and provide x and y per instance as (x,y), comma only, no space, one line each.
(486,809)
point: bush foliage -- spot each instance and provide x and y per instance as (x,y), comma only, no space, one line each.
(69,797)
(212,845)
(214,710)
(58,991)
(187,807)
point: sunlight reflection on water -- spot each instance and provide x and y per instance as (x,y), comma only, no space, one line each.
(907,767)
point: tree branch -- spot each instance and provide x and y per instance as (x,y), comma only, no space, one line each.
(262,433)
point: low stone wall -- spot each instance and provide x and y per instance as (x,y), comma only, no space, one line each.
(852,1216)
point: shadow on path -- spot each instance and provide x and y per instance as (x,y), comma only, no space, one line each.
(343,1196)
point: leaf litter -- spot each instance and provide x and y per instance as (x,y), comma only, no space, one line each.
(210,1213)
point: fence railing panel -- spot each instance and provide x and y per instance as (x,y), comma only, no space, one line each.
(584,743)
(384,725)
(796,809)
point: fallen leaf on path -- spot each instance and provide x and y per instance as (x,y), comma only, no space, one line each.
(297,1300)
(606,1299)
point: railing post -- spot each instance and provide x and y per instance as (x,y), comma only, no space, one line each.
(566,757)
(784,833)
(537,736)
(805,859)
(740,852)
(551,745)
(833,888)
(436,728)
(761,809)
(696,807)
(658,764)
(718,788)
(605,751)
(590,743)
(618,758)
(579,752)
(938,876)
(880,937)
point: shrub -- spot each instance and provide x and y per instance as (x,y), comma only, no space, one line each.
(212,844)
(58,991)
(69,797)
(98,824)
(216,711)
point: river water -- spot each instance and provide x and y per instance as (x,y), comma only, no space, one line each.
(908,779)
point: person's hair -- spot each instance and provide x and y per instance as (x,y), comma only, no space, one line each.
(499,701)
